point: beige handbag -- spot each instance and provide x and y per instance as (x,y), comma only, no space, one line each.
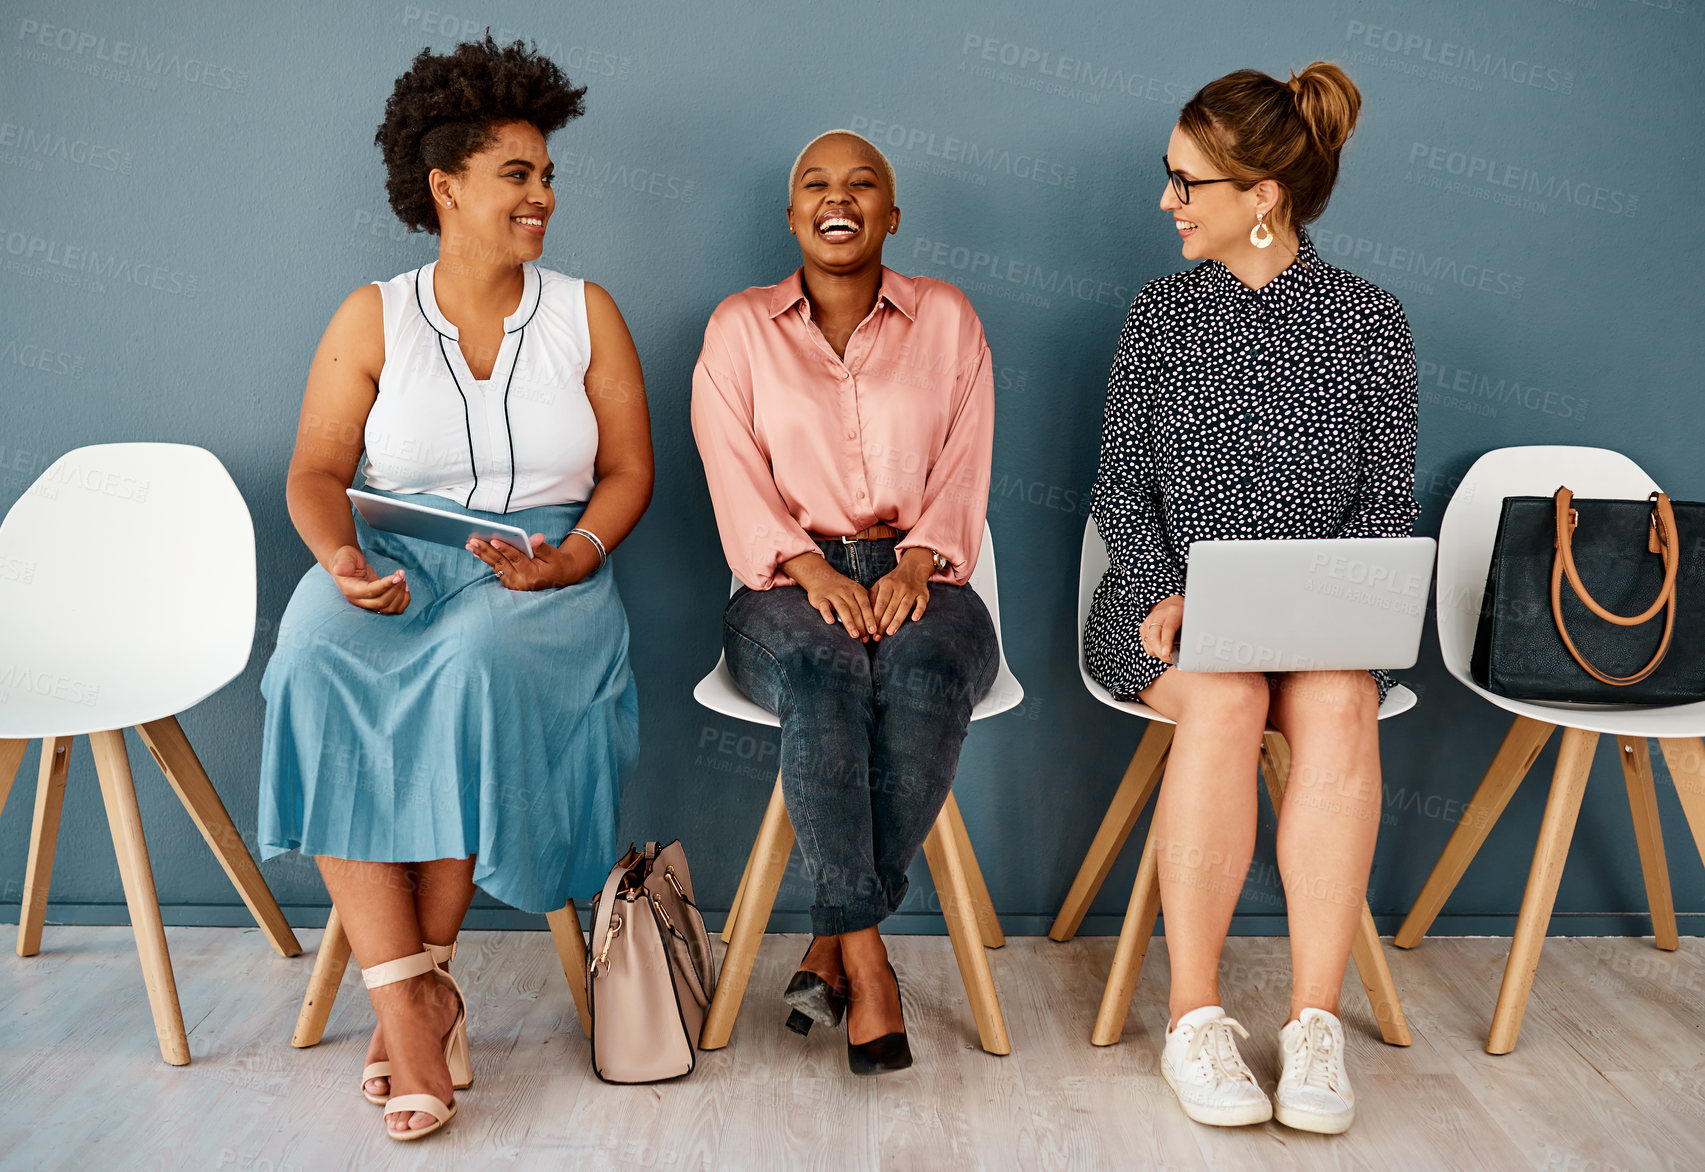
(651,972)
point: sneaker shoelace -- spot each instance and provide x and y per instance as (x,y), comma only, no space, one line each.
(1315,1049)
(1214,1040)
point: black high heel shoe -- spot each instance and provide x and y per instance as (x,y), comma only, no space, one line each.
(813,999)
(887,1053)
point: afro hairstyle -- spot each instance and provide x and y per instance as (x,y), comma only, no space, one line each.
(448,106)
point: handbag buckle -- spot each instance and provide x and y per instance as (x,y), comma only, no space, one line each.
(669,874)
(667,922)
(603,957)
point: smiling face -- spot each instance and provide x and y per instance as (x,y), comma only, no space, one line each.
(503,197)
(1215,224)
(842,205)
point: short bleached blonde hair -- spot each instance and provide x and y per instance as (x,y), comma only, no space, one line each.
(887,167)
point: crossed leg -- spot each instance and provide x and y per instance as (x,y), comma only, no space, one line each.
(377,903)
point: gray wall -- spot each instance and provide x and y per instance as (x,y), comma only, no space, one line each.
(185,196)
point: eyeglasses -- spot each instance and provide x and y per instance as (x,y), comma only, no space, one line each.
(1180,185)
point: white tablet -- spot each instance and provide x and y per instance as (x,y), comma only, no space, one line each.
(439,526)
(1305,605)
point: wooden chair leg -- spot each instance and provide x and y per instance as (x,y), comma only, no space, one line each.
(125,820)
(1685,757)
(571,951)
(1141,778)
(166,740)
(11,756)
(329,963)
(739,897)
(44,837)
(959,907)
(1365,948)
(1514,758)
(1636,759)
(769,864)
(988,924)
(1134,939)
(1378,983)
(1568,786)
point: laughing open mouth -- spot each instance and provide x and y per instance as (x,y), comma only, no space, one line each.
(836,228)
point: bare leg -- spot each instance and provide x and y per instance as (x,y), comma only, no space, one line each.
(1204,819)
(873,1000)
(443,888)
(375,901)
(1329,824)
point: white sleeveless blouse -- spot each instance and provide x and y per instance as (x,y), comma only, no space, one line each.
(526,436)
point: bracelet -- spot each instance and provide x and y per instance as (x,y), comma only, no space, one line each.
(603,555)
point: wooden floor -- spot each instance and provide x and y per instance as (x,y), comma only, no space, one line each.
(1610,1072)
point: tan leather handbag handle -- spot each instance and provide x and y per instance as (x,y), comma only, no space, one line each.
(1661,539)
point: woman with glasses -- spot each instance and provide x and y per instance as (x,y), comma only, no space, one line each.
(846,421)
(1261,394)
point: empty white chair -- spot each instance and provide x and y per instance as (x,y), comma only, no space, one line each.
(133,598)
(1465,555)
(1142,778)
(971,922)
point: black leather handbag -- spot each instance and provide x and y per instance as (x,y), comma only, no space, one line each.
(1598,601)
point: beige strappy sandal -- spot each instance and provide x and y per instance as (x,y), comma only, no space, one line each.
(442,954)
(455,1042)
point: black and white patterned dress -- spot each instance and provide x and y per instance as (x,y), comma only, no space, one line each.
(1287,411)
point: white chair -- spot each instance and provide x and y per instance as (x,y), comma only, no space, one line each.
(129,596)
(1465,554)
(971,922)
(1142,778)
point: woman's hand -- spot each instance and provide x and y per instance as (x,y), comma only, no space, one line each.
(365,588)
(549,567)
(836,596)
(903,591)
(1160,629)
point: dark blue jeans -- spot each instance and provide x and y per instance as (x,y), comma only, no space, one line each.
(870,732)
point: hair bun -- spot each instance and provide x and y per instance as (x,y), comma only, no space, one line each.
(1328,101)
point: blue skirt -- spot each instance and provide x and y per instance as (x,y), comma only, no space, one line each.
(481,721)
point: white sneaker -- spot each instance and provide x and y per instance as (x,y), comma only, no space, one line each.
(1202,1066)
(1314,1091)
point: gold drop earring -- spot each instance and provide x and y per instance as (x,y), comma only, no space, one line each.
(1261,236)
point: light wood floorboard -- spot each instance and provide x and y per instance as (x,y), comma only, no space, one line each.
(1609,1072)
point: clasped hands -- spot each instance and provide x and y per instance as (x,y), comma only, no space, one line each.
(870,614)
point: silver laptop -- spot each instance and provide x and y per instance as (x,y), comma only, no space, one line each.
(1305,605)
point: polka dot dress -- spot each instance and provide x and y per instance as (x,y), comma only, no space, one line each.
(1287,411)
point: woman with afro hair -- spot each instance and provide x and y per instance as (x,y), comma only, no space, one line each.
(438,718)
